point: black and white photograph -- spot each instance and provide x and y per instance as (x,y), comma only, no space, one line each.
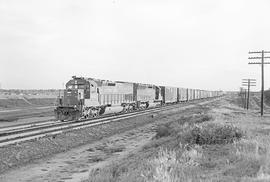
(134,91)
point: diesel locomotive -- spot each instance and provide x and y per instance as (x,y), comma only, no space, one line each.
(89,97)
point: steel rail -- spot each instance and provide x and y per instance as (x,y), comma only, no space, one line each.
(18,127)
(67,126)
(46,124)
(14,134)
(27,128)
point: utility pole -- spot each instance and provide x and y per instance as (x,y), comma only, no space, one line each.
(262,63)
(245,103)
(249,83)
(243,93)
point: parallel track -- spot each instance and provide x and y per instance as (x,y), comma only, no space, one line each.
(16,134)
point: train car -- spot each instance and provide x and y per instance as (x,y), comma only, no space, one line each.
(204,94)
(169,94)
(89,97)
(207,94)
(200,94)
(193,94)
(182,94)
(190,94)
(196,94)
(210,93)
(147,95)
(110,97)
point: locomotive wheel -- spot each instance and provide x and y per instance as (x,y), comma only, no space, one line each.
(130,109)
(124,109)
(70,117)
(60,116)
(102,110)
(143,107)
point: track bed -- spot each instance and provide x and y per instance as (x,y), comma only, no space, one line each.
(16,155)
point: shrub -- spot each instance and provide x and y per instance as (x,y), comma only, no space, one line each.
(267,97)
(211,134)
(163,131)
(203,118)
(175,127)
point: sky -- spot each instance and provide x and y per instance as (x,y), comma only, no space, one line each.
(183,43)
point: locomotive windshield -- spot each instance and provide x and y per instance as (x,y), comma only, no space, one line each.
(77,86)
(77,83)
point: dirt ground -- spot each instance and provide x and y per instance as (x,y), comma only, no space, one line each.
(98,147)
(76,164)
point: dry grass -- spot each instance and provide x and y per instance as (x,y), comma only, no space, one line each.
(267,97)
(211,134)
(157,163)
(175,127)
(114,149)
(163,131)
(198,148)
(254,154)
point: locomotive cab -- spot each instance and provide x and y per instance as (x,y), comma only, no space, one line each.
(77,90)
(71,105)
(81,99)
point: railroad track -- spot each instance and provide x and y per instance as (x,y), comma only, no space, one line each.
(16,134)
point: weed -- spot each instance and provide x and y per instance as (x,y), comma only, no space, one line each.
(114,149)
(163,131)
(175,127)
(90,150)
(247,167)
(267,97)
(210,134)
(203,118)
(95,159)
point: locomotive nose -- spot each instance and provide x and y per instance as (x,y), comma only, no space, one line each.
(71,97)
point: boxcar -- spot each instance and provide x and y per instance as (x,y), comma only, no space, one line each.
(190,94)
(169,94)
(182,94)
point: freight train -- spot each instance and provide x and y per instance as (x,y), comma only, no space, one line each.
(89,97)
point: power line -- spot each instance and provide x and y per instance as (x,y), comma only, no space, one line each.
(262,63)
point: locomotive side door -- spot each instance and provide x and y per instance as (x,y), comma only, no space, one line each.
(94,95)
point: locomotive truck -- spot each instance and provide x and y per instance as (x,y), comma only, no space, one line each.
(90,97)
